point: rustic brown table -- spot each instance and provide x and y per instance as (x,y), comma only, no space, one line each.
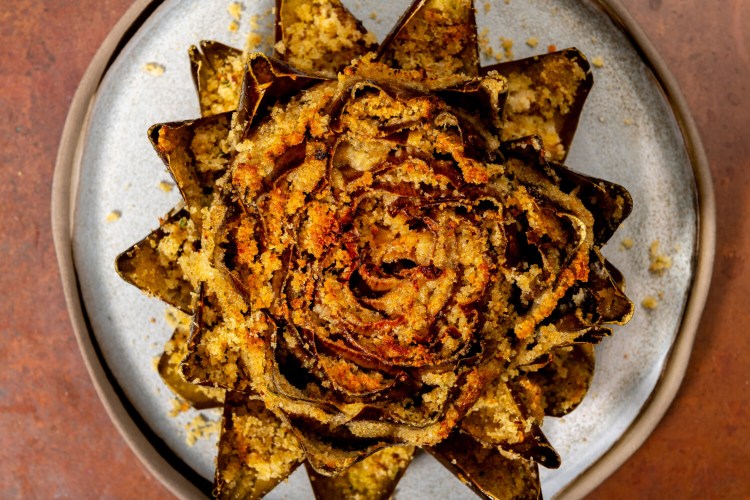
(56,439)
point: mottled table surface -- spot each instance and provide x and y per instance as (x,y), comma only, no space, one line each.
(56,439)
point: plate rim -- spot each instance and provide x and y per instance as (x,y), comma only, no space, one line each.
(173,475)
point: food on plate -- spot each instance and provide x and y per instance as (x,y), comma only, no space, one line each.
(381,253)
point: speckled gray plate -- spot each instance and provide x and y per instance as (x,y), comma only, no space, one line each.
(635,131)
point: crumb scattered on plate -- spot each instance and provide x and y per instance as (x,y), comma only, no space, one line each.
(179,406)
(235,10)
(114,216)
(532,42)
(234,26)
(166,186)
(627,243)
(659,262)
(507,45)
(200,428)
(154,69)
(598,62)
(650,303)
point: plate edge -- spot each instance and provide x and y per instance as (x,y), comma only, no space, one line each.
(678,357)
(64,193)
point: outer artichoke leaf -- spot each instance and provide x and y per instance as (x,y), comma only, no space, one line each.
(613,305)
(199,366)
(266,80)
(509,418)
(591,304)
(436,36)
(487,471)
(374,478)
(256,450)
(145,267)
(195,156)
(536,447)
(304,41)
(217,73)
(169,368)
(566,379)
(546,98)
(485,98)
(331,450)
(610,203)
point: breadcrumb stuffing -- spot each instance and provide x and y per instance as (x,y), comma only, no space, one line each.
(154,69)
(174,317)
(114,216)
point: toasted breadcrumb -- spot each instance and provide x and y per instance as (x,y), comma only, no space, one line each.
(627,243)
(166,186)
(650,303)
(179,406)
(235,10)
(200,428)
(659,262)
(174,317)
(254,41)
(487,7)
(114,216)
(532,42)
(507,45)
(154,69)
(234,26)
(598,62)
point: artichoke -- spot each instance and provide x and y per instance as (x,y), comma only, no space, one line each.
(382,252)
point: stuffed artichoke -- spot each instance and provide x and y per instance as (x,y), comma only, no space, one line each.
(382,252)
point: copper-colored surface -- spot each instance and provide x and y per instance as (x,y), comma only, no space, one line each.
(56,438)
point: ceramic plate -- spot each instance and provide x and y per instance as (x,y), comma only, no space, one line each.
(633,131)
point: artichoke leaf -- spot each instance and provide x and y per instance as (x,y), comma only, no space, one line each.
(143,266)
(256,450)
(298,22)
(217,74)
(546,97)
(438,37)
(486,470)
(374,478)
